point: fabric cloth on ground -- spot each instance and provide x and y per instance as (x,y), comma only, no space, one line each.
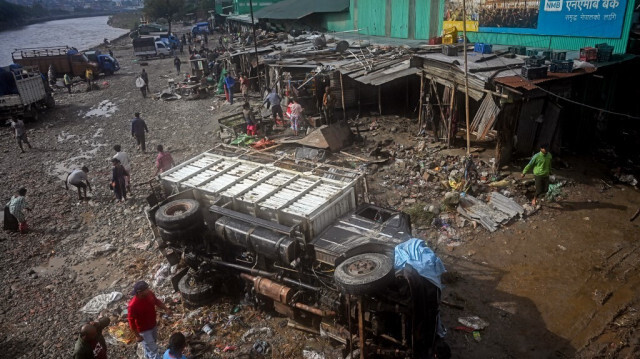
(16,206)
(415,253)
(100,302)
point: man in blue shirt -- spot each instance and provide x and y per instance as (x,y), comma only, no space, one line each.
(229,82)
(138,129)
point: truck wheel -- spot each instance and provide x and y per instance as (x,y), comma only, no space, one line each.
(162,56)
(182,235)
(193,293)
(364,273)
(178,214)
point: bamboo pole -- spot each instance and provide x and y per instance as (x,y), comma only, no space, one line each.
(344,111)
(466,73)
(421,100)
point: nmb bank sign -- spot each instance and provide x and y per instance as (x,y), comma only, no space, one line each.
(580,18)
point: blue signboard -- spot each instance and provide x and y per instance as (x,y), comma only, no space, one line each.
(580,18)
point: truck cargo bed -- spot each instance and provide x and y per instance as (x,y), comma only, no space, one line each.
(266,189)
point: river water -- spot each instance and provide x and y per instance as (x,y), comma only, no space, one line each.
(81,33)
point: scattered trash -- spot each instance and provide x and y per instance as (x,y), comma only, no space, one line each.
(122,333)
(476,336)
(100,302)
(554,191)
(266,330)
(162,274)
(262,347)
(473,322)
(229,348)
(586,218)
(208,329)
(562,247)
(311,354)
(463,328)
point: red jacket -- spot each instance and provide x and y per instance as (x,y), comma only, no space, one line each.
(142,312)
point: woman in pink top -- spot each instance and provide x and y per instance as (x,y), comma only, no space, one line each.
(296,110)
(164,161)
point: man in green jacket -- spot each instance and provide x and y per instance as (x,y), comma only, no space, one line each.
(541,164)
(91,343)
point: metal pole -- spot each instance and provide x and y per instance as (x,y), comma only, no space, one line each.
(255,46)
(466,73)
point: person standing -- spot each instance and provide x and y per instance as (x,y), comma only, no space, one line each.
(123,157)
(182,47)
(244,87)
(91,343)
(89,76)
(177,343)
(296,111)
(273,99)
(249,119)
(541,164)
(142,86)
(145,77)
(328,105)
(229,82)
(67,82)
(78,178)
(138,129)
(176,63)
(164,161)
(118,180)
(142,318)
(21,133)
(16,205)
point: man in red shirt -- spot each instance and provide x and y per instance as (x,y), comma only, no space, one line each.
(164,161)
(142,318)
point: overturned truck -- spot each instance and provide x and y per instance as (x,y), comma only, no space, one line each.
(301,240)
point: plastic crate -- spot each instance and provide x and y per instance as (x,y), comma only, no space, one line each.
(565,66)
(547,54)
(518,50)
(534,72)
(435,40)
(588,54)
(450,50)
(482,48)
(604,53)
(558,55)
(534,61)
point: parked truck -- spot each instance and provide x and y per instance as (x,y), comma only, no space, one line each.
(65,60)
(107,64)
(146,47)
(170,40)
(23,92)
(298,238)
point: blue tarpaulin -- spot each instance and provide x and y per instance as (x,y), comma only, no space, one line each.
(415,253)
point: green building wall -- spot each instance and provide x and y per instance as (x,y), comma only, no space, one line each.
(422,19)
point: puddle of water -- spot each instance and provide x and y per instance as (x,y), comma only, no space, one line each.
(53,265)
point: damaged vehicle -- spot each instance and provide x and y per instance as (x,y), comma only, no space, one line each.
(300,239)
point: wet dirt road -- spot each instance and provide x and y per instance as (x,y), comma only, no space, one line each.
(561,284)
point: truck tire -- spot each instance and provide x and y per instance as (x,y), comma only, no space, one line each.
(182,235)
(364,273)
(162,56)
(179,214)
(195,294)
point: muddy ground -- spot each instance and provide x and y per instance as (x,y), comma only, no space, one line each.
(561,283)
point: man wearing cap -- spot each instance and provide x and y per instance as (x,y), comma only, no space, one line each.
(142,318)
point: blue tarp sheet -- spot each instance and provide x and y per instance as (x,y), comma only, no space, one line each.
(415,253)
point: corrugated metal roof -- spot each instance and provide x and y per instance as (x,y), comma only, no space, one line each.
(297,9)
(516,81)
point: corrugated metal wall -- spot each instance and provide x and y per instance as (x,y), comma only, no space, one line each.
(372,16)
(400,18)
(422,19)
(553,42)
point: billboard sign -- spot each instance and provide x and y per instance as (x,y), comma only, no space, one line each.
(580,18)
